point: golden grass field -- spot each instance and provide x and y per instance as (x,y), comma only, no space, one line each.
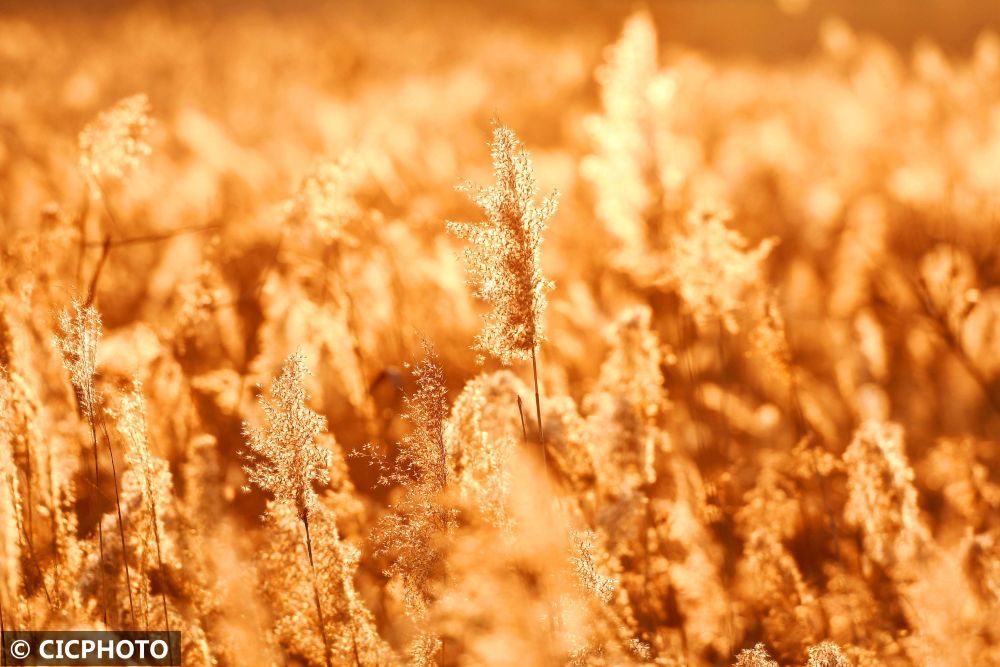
(450,335)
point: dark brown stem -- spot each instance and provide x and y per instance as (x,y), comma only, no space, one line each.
(92,287)
(105,246)
(545,462)
(520,411)
(315,587)
(538,413)
(160,236)
(81,249)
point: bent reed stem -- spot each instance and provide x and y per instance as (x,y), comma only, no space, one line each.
(315,587)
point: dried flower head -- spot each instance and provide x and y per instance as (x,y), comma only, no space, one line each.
(641,649)
(769,340)
(325,203)
(413,533)
(827,654)
(590,579)
(504,260)
(712,269)
(483,431)
(777,593)
(623,167)
(288,461)
(755,657)
(11,502)
(80,331)
(883,500)
(630,396)
(114,142)
(423,452)
(288,584)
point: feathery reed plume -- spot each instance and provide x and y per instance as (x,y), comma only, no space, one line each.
(482,433)
(414,534)
(769,339)
(423,452)
(711,268)
(624,412)
(324,209)
(882,500)
(778,595)
(287,581)
(628,169)
(80,333)
(948,275)
(755,657)
(19,432)
(629,399)
(11,507)
(285,460)
(599,585)
(504,260)
(827,654)
(112,145)
(149,473)
(574,449)
(325,203)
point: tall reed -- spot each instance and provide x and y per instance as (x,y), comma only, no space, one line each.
(287,461)
(504,259)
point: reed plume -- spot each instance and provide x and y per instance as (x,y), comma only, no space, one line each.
(827,654)
(285,461)
(482,434)
(80,334)
(712,268)
(629,168)
(755,657)
(414,534)
(504,258)
(883,500)
(789,449)
(151,477)
(114,143)
(12,506)
(287,579)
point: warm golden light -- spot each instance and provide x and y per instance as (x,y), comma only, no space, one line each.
(504,333)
